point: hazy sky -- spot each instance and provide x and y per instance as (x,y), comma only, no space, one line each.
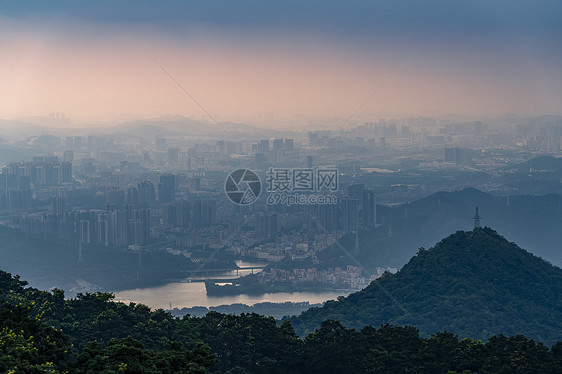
(246,60)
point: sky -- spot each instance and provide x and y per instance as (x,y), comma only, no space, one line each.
(254,61)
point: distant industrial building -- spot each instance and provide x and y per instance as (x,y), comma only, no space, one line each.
(459,156)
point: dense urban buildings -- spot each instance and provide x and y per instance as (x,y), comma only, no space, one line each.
(101,190)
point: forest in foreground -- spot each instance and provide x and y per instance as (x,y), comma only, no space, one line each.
(41,332)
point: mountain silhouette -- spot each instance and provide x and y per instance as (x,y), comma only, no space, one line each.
(474,284)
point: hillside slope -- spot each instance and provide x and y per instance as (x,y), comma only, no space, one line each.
(472,283)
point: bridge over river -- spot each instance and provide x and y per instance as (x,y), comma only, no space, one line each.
(223,273)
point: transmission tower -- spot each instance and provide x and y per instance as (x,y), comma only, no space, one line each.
(476,219)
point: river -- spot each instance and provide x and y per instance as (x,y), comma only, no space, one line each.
(187,295)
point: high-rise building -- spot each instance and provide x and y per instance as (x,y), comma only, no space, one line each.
(369,215)
(133,197)
(144,217)
(68,156)
(405,131)
(112,226)
(88,166)
(173,156)
(58,205)
(194,183)
(277,143)
(197,215)
(349,214)
(289,145)
(52,174)
(122,229)
(85,231)
(356,192)
(115,197)
(183,213)
(209,212)
(329,216)
(51,159)
(167,188)
(102,229)
(233,148)
(169,214)
(260,159)
(160,144)
(78,143)
(221,147)
(263,146)
(457,155)
(15,185)
(147,195)
(135,232)
(18,199)
(313,139)
(267,226)
(66,171)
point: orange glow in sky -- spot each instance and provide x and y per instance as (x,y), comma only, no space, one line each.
(112,77)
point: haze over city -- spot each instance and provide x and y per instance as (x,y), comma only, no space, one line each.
(369,186)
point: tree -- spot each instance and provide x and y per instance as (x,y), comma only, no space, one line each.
(334,349)
(129,356)
(28,345)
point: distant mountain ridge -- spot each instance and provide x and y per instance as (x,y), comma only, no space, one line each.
(531,221)
(472,283)
(149,128)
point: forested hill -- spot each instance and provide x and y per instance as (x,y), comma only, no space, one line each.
(475,284)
